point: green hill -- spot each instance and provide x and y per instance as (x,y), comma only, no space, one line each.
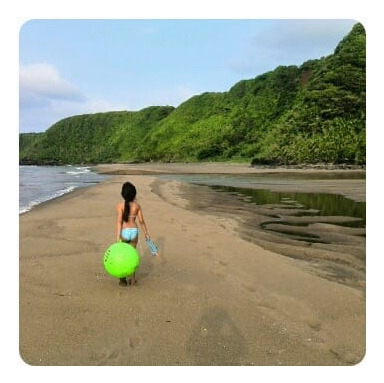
(314,113)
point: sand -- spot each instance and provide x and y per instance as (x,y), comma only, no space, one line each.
(211,298)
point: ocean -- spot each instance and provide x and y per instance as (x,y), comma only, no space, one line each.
(39,184)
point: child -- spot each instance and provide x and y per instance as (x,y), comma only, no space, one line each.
(126,227)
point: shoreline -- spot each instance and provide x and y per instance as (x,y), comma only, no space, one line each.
(221,168)
(352,187)
(210,298)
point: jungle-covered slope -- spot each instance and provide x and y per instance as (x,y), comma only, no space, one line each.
(314,113)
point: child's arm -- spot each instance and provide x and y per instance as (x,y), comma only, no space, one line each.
(119,221)
(142,222)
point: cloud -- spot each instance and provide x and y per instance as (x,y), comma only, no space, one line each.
(289,42)
(40,83)
(303,35)
(45,98)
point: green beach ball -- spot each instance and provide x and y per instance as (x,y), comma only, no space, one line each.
(121,260)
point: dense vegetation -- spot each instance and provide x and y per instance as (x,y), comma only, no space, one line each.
(314,113)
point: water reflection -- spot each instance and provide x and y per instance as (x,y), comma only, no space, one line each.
(324,231)
(327,231)
(305,204)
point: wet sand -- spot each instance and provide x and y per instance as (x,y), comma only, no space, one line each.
(210,298)
(327,245)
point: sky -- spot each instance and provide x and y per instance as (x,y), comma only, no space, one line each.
(69,67)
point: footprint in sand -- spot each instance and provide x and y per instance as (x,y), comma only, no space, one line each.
(250,288)
(119,352)
(135,342)
(219,275)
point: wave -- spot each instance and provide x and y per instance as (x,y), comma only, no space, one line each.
(40,200)
(79,170)
(42,183)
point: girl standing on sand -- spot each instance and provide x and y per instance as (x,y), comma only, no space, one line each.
(126,226)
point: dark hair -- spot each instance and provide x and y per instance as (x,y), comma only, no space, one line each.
(128,192)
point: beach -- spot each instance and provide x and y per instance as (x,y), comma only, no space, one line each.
(210,298)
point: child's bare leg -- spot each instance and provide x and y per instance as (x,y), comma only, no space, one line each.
(134,242)
(133,280)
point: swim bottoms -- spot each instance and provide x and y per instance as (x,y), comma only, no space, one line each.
(129,233)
